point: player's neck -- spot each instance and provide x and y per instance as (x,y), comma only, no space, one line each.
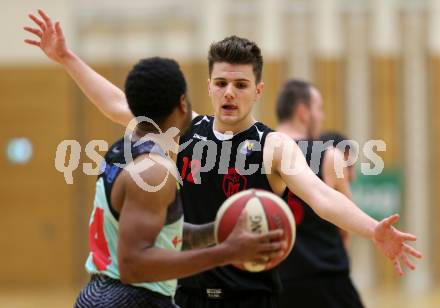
(168,143)
(293,130)
(235,128)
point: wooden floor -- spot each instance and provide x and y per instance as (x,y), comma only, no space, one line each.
(37,298)
(400,299)
(59,298)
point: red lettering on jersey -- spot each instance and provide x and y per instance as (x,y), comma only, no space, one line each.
(233,182)
(297,208)
(194,166)
(195,169)
(185,161)
(176,241)
(97,241)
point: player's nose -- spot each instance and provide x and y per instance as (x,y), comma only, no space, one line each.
(229,91)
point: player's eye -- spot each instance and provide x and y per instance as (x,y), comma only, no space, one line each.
(241,85)
(220,83)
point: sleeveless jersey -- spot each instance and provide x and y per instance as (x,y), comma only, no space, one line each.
(212,170)
(319,248)
(104,225)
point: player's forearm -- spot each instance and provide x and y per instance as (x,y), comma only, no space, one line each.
(107,97)
(198,236)
(158,264)
(339,210)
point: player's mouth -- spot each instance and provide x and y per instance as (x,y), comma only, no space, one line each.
(229,107)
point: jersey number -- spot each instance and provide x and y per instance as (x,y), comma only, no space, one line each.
(98,244)
(194,165)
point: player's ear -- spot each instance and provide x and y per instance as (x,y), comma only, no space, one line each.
(183,104)
(303,112)
(259,89)
(209,86)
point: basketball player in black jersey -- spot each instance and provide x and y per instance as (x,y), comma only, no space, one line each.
(333,139)
(316,273)
(136,234)
(241,147)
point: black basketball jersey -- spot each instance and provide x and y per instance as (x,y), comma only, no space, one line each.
(319,248)
(231,164)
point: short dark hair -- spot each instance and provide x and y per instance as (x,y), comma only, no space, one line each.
(293,93)
(236,50)
(153,88)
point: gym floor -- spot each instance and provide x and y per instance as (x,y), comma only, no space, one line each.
(58,298)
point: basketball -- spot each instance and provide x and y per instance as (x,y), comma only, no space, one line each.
(265,212)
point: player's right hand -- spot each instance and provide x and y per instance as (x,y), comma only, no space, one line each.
(244,246)
(50,37)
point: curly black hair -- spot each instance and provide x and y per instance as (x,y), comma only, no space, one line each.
(153,88)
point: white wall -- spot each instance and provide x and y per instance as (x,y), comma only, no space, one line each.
(13,17)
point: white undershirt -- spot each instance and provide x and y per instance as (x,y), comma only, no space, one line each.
(222,136)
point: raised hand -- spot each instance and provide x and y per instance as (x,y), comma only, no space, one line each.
(50,37)
(391,243)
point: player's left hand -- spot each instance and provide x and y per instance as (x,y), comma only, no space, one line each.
(391,243)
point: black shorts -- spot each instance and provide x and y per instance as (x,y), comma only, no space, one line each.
(105,292)
(213,298)
(336,291)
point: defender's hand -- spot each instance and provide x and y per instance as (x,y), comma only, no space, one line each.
(50,37)
(391,243)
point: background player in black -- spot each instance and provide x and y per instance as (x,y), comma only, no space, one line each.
(316,273)
(339,140)
(235,85)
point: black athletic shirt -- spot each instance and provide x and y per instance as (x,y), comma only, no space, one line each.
(202,201)
(319,249)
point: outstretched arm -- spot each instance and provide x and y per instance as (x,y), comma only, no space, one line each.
(334,206)
(107,97)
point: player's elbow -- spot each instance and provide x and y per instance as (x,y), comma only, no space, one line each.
(130,270)
(118,117)
(320,205)
(329,204)
(127,270)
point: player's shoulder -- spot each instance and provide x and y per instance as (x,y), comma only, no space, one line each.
(263,127)
(201,119)
(151,188)
(280,146)
(150,173)
(114,152)
(199,126)
(259,131)
(278,138)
